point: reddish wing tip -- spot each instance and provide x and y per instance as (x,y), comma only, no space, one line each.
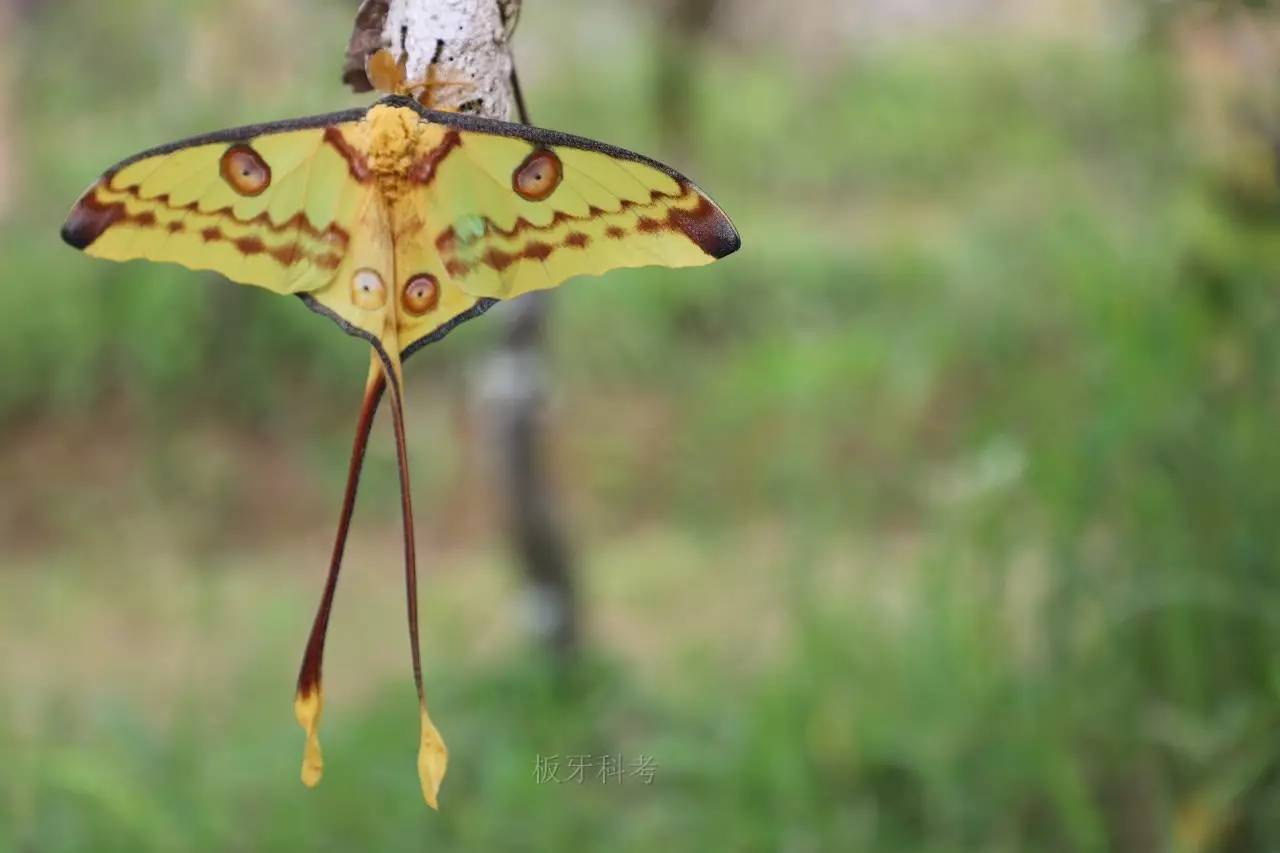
(708,227)
(89,219)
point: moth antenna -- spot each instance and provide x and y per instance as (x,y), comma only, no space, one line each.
(309,700)
(433,756)
(522,111)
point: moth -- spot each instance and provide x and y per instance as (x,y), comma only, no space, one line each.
(397,222)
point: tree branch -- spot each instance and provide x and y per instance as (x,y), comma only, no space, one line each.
(462,46)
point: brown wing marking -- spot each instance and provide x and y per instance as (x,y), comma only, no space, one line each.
(423,171)
(704,225)
(92,217)
(357,163)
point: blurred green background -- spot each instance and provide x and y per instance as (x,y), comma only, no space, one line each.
(944,516)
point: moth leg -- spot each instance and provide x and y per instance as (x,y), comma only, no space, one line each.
(308,700)
(387,74)
(433,85)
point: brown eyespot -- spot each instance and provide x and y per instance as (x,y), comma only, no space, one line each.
(538,176)
(421,294)
(245,170)
(367,290)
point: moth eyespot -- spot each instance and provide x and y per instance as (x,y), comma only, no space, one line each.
(538,176)
(421,294)
(367,290)
(245,170)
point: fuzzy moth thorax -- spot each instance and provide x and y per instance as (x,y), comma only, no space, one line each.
(393,136)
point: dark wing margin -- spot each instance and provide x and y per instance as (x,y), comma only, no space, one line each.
(479,308)
(240,134)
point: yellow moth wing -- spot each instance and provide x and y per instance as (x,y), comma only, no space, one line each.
(418,262)
(269,205)
(511,209)
(177,176)
(358,295)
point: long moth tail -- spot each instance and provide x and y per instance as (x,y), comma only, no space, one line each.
(308,700)
(433,756)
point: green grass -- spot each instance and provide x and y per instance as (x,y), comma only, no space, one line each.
(942,517)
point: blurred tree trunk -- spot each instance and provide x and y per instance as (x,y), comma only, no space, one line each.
(684,27)
(513,384)
(514,389)
(11,13)
(1228,62)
